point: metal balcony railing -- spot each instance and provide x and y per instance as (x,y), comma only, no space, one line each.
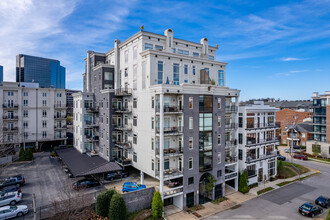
(171,130)
(252,142)
(10,106)
(123,144)
(6,117)
(170,173)
(92,109)
(174,191)
(123,92)
(231,126)
(230,175)
(253,158)
(251,126)
(122,109)
(231,108)
(60,116)
(58,106)
(10,128)
(125,127)
(123,161)
(170,151)
(230,159)
(171,109)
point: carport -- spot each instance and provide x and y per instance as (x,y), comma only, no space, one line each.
(82,165)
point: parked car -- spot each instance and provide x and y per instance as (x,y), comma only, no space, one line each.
(11,198)
(297,147)
(310,210)
(85,183)
(281,157)
(8,212)
(9,189)
(132,186)
(300,157)
(288,150)
(323,202)
(66,170)
(17,180)
(70,175)
(173,183)
(116,175)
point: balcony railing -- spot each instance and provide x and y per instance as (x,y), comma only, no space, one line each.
(170,109)
(123,144)
(92,138)
(59,127)
(123,161)
(123,92)
(231,108)
(59,106)
(231,159)
(251,126)
(230,175)
(171,130)
(253,158)
(92,109)
(91,124)
(170,152)
(10,106)
(122,109)
(60,116)
(170,173)
(251,142)
(231,126)
(173,191)
(125,127)
(9,129)
(231,143)
(6,117)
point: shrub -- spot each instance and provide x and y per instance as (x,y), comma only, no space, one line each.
(157,205)
(243,182)
(25,155)
(328,216)
(253,185)
(210,184)
(117,209)
(102,203)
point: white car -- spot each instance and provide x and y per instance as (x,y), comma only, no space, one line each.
(7,212)
(10,198)
(288,150)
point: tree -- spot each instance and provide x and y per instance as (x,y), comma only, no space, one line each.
(117,209)
(210,184)
(243,182)
(157,205)
(103,202)
(279,168)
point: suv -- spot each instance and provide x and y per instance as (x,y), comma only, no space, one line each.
(323,202)
(300,157)
(9,189)
(10,199)
(13,180)
(116,175)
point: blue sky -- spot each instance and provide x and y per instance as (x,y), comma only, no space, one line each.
(277,49)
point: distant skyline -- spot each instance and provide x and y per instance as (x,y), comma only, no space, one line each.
(277,49)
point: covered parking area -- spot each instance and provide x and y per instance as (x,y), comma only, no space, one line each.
(85,165)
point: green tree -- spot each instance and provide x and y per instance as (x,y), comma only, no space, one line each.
(103,202)
(210,184)
(157,205)
(279,167)
(117,209)
(243,182)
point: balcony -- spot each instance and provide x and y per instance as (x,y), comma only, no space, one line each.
(92,109)
(173,192)
(123,92)
(127,127)
(170,173)
(5,106)
(59,106)
(92,138)
(319,114)
(60,127)
(231,108)
(230,159)
(123,110)
(231,143)
(231,126)
(6,117)
(123,144)
(171,130)
(91,124)
(123,161)
(256,126)
(60,116)
(230,175)
(170,152)
(254,142)
(170,109)
(10,129)
(268,155)
(60,138)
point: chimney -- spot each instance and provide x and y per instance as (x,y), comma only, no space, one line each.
(205,47)
(117,63)
(169,40)
(88,72)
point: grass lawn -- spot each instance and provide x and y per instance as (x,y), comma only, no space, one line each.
(137,213)
(299,179)
(286,171)
(322,159)
(265,190)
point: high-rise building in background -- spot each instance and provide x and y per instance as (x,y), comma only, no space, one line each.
(1,74)
(47,72)
(161,105)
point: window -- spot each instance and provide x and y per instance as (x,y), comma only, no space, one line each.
(194,70)
(44,102)
(134,138)
(219,139)
(316,148)
(207,70)
(251,170)
(126,72)
(190,163)
(240,122)
(303,135)
(152,143)
(220,77)
(158,47)
(180,51)
(211,57)
(152,123)
(44,124)
(44,134)
(219,173)
(135,77)
(185,69)
(134,52)
(25,102)
(134,120)
(185,52)
(25,124)
(219,103)
(107,76)
(148,46)
(219,157)
(185,81)
(160,72)
(59,95)
(134,157)
(25,113)
(176,74)
(134,102)
(44,113)
(152,102)
(126,56)
(190,180)
(240,138)
(191,120)
(44,94)
(271,167)
(191,100)
(174,50)
(152,164)
(195,54)
(10,93)
(190,143)
(25,93)
(219,121)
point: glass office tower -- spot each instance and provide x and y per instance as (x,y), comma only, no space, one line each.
(1,74)
(47,72)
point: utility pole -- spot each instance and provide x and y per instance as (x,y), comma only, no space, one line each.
(34,206)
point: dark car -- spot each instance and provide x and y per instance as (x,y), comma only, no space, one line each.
(116,175)
(85,183)
(10,189)
(323,202)
(173,183)
(281,157)
(310,210)
(17,181)
(300,157)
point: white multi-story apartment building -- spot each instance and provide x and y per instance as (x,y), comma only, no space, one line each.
(256,141)
(161,105)
(32,116)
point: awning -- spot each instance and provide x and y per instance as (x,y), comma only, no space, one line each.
(83,165)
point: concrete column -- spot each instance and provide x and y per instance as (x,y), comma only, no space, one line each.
(117,65)
(142,177)
(161,144)
(88,72)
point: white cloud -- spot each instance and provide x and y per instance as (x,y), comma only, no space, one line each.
(291,59)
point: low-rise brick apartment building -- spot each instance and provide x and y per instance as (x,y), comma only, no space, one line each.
(302,132)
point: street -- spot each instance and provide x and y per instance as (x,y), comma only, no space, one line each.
(284,202)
